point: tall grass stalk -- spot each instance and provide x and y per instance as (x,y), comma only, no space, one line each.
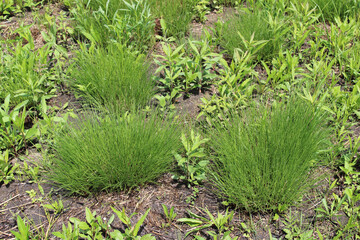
(113,153)
(265,156)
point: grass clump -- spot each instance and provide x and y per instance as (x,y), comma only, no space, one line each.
(251,30)
(113,78)
(330,9)
(113,153)
(177,15)
(264,156)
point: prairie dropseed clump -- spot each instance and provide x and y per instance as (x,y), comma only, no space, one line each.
(264,156)
(113,153)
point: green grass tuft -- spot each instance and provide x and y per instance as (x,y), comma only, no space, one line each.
(264,156)
(177,15)
(113,78)
(337,8)
(113,153)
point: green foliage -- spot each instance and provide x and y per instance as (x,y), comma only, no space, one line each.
(24,70)
(228,3)
(264,157)
(278,47)
(283,73)
(36,196)
(104,22)
(235,88)
(202,9)
(13,134)
(113,78)
(90,24)
(170,215)
(56,207)
(68,233)
(294,227)
(342,34)
(198,67)
(9,8)
(110,7)
(221,222)
(303,16)
(7,169)
(50,122)
(352,63)
(330,9)
(340,205)
(171,65)
(131,232)
(139,24)
(177,15)
(253,28)
(352,176)
(113,153)
(24,230)
(32,173)
(191,169)
(185,70)
(225,236)
(95,228)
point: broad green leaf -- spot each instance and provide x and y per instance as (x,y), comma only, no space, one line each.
(148,237)
(31,133)
(190,221)
(20,105)
(84,226)
(89,215)
(193,47)
(116,235)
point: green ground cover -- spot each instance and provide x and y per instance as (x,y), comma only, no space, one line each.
(274,132)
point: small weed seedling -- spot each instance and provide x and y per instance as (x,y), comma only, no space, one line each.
(30,172)
(24,230)
(294,228)
(191,169)
(131,232)
(34,194)
(170,215)
(94,227)
(55,206)
(68,233)
(221,222)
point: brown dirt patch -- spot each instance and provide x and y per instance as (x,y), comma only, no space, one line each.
(15,201)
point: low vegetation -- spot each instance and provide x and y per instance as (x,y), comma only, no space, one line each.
(113,153)
(264,157)
(127,74)
(253,30)
(212,119)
